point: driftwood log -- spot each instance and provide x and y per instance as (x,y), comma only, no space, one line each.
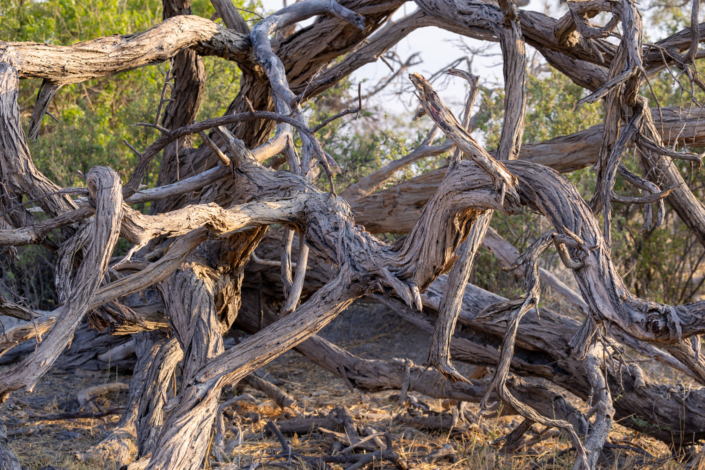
(212,207)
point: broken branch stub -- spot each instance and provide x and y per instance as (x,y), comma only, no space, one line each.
(504,181)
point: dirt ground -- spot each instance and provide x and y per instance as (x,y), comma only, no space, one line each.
(46,444)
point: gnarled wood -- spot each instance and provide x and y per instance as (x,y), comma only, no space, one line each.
(116,446)
(200,251)
(150,414)
(104,186)
(18,171)
(114,54)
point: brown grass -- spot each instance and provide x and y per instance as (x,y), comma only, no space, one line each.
(56,443)
(317,392)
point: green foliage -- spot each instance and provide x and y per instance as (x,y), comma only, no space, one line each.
(551,110)
(665,265)
(365,143)
(94,117)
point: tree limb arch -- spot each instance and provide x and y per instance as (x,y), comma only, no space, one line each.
(114,54)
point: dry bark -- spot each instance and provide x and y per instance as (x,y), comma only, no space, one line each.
(116,446)
(150,414)
(514,56)
(542,350)
(552,333)
(186,93)
(114,54)
(200,269)
(87,347)
(11,309)
(375,375)
(395,210)
(104,186)
(21,333)
(8,460)
(20,176)
(439,353)
(280,397)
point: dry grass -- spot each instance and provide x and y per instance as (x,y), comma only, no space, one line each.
(55,443)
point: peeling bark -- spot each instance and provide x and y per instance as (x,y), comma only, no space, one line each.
(200,251)
(116,446)
(104,185)
(375,375)
(18,171)
(114,54)
(150,415)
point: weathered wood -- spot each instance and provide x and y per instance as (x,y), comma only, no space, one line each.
(18,170)
(302,54)
(186,94)
(44,96)
(439,353)
(602,409)
(104,186)
(200,271)
(302,426)
(395,210)
(280,397)
(193,311)
(231,17)
(542,351)
(114,54)
(8,460)
(19,334)
(514,57)
(581,146)
(376,375)
(150,415)
(552,333)
(222,369)
(87,347)
(502,179)
(97,390)
(513,48)
(115,448)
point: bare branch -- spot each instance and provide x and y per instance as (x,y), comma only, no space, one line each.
(231,17)
(107,56)
(452,128)
(104,185)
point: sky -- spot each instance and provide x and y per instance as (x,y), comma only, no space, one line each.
(437,49)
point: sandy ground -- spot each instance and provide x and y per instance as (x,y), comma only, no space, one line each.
(44,444)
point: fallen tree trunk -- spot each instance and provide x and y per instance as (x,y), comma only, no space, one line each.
(396,210)
(542,350)
(552,333)
(89,345)
(200,273)
(375,375)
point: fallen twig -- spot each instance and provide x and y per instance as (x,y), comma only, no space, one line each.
(62,416)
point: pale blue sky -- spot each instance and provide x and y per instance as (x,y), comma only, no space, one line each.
(437,49)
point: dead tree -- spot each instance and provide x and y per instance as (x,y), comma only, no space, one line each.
(212,207)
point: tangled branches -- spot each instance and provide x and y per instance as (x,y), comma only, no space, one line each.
(195,255)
